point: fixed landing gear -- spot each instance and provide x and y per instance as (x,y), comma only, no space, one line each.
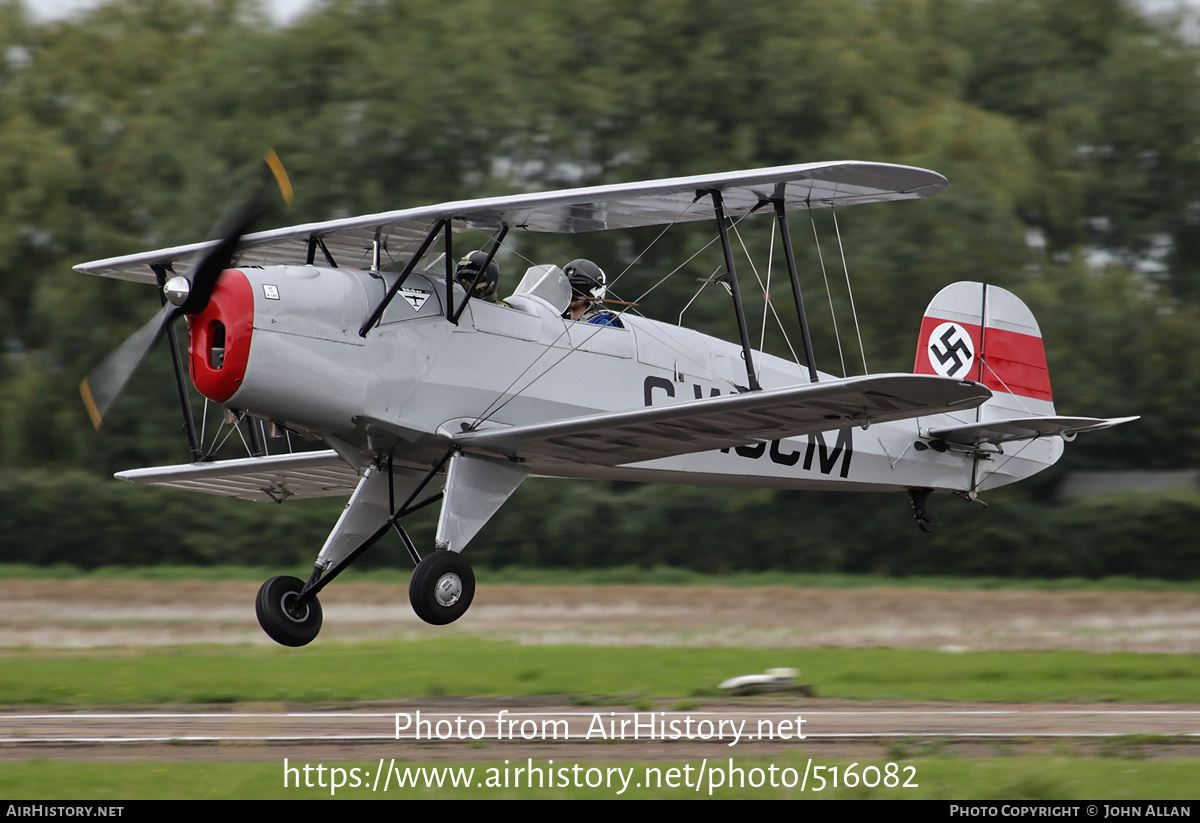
(441,590)
(283,617)
(442,587)
(926,520)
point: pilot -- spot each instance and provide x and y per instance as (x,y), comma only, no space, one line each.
(588,284)
(468,270)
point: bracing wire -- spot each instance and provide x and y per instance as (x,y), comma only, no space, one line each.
(766,290)
(651,244)
(1004,462)
(203,423)
(489,411)
(829,293)
(492,408)
(850,291)
(237,427)
(232,428)
(672,272)
(703,284)
(1007,388)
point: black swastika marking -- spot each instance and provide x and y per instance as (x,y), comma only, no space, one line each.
(953,346)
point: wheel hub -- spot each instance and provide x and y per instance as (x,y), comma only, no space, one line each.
(448,589)
(289,606)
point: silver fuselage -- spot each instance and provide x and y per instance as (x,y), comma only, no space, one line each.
(417,373)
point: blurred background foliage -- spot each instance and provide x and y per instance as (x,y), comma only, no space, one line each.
(1069,130)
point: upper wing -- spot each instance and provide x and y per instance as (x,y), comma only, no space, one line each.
(620,206)
(279,477)
(616,438)
(1022,428)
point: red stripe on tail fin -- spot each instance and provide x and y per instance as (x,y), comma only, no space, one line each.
(1015,363)
(1003,352)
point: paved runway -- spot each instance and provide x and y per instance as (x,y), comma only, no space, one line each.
(731,725)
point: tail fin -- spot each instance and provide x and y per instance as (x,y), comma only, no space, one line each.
(986,334)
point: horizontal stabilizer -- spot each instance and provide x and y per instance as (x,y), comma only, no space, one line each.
(1023,428)
(617,438)
(277,477)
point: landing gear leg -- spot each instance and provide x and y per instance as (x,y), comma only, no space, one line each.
(287,608)
(443,585)
(926,520)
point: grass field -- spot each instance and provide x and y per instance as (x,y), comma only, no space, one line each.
(435,668)
(922,778)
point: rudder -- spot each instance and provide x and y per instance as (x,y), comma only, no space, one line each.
(987,334)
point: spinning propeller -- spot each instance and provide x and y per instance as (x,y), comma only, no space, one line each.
(188,294)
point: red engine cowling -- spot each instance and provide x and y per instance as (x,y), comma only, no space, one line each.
(219,337)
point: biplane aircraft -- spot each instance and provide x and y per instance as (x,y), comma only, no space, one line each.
(420,392)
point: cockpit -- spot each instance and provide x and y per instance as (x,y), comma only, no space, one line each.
(546,285)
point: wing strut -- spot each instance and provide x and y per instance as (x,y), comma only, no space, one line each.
(412,264)
(491,255)
(786,238)
(730,279)
(189,421)
(311,245)
(449,273)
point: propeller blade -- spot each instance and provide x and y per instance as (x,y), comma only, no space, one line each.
(105,382)
(281,175)
(206,269)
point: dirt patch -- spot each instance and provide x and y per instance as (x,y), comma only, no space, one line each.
(89,613)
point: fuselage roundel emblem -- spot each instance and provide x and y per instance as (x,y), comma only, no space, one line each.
(951,352)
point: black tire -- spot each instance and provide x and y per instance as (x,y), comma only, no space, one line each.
(442,587)
(927,522)
(280,624)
